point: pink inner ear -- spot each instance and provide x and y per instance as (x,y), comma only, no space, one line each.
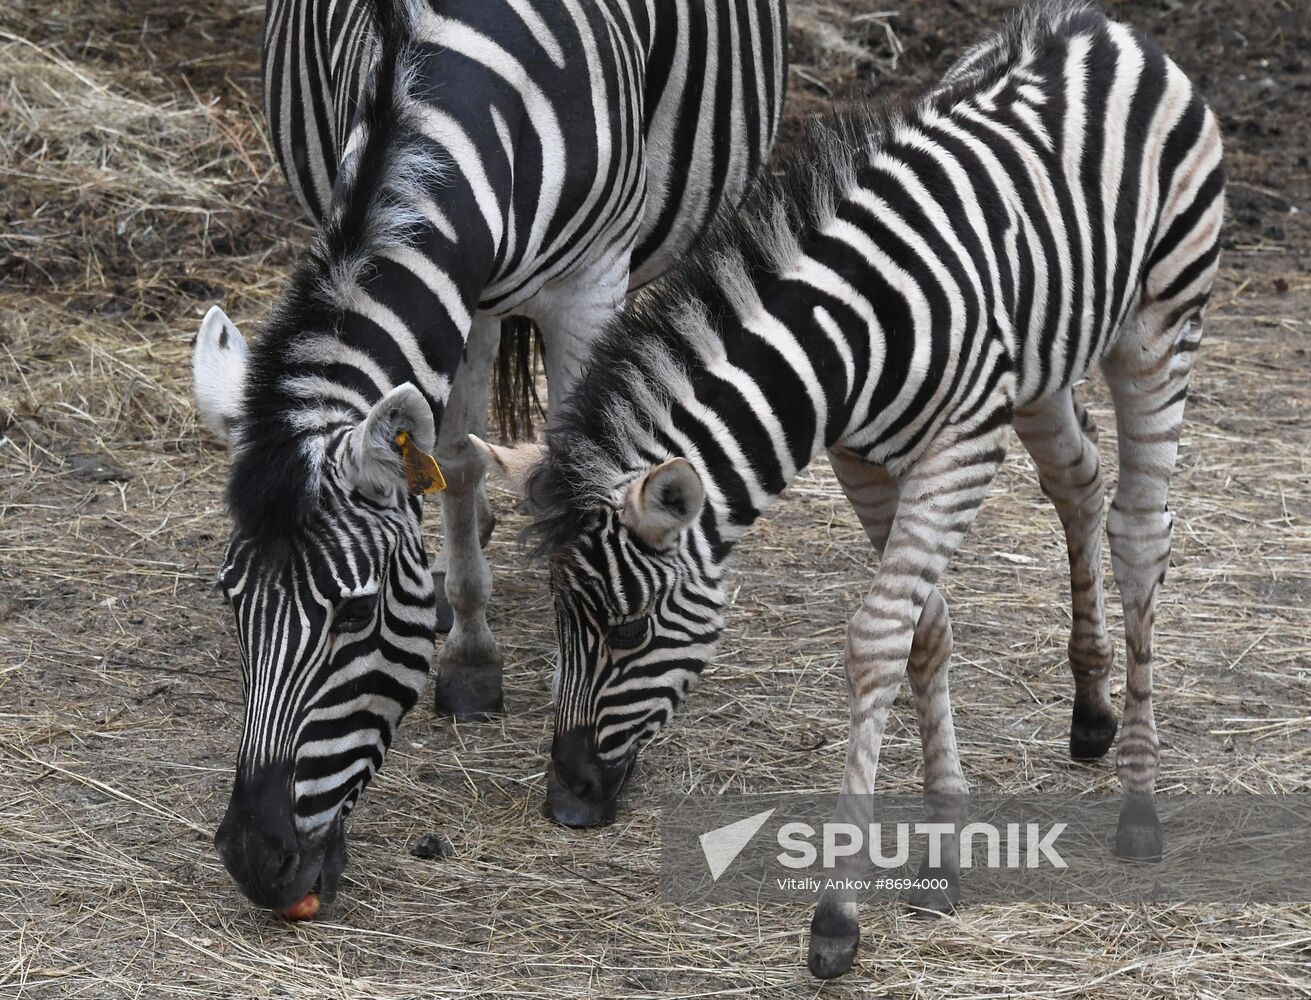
(515,463)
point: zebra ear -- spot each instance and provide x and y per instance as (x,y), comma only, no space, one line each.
(393,446)
(218,369)
(664,501)
(514,463)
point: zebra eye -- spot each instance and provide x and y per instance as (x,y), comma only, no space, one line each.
(627,635)
(355,613)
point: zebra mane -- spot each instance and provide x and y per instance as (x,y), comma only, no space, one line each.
(276,477)
(996,52)
(614,423)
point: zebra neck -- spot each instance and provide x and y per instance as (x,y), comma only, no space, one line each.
(347,332)
(385,295)
(770,393)
(388,291)
(406,321)
(316,59)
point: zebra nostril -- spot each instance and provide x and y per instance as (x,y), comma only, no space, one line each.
(574,755)
(287,867)
(581,777)
(585,783)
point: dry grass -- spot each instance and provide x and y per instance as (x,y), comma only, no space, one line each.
(137,190)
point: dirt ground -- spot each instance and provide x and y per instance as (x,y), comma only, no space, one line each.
(137,188)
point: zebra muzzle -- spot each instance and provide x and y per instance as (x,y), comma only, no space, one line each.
(568,809)
(324,890)
(271,861)
(581,789)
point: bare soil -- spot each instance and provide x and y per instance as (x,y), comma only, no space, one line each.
(136,188)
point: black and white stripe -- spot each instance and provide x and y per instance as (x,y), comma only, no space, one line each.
(317,57)
(915,285)
(336,634)
(707,80)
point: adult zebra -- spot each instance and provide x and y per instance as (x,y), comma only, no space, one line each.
(504,157)
(920,283)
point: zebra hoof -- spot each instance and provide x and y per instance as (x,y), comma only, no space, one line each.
(469,696)
(834,939)
(445,613)
(1092,731)
(481,707)
(1138,836)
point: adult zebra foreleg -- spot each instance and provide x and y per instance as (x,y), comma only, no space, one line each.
(571,315)
(940,497)
(486,520)
(1148,377)
(469,666)
(1060,436)
(873,494)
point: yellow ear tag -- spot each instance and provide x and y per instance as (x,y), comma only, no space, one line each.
(422,474)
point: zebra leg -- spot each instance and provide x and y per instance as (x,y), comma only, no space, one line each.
(469,667)
(571,318)
(940,496)
(873,494)
(945,791)
(1148,377)
(486,521)
(1060,436)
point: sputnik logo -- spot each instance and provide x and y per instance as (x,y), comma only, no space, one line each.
(721,846)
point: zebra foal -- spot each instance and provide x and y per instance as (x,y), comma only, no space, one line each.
(468,159)
(917,285)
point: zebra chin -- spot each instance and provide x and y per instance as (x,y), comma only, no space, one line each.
(273,863)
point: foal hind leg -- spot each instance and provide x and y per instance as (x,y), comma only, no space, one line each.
(1060,436)
(469,667)
(1148,377)
(873,494)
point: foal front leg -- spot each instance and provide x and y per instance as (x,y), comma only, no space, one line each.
(939,498)
(873,494)
(469,666)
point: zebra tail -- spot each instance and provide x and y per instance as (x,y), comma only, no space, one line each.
(515,402)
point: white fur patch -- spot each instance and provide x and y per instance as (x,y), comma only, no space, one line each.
(218,368)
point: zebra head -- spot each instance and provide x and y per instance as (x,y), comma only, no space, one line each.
(335,615)
(637,611)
